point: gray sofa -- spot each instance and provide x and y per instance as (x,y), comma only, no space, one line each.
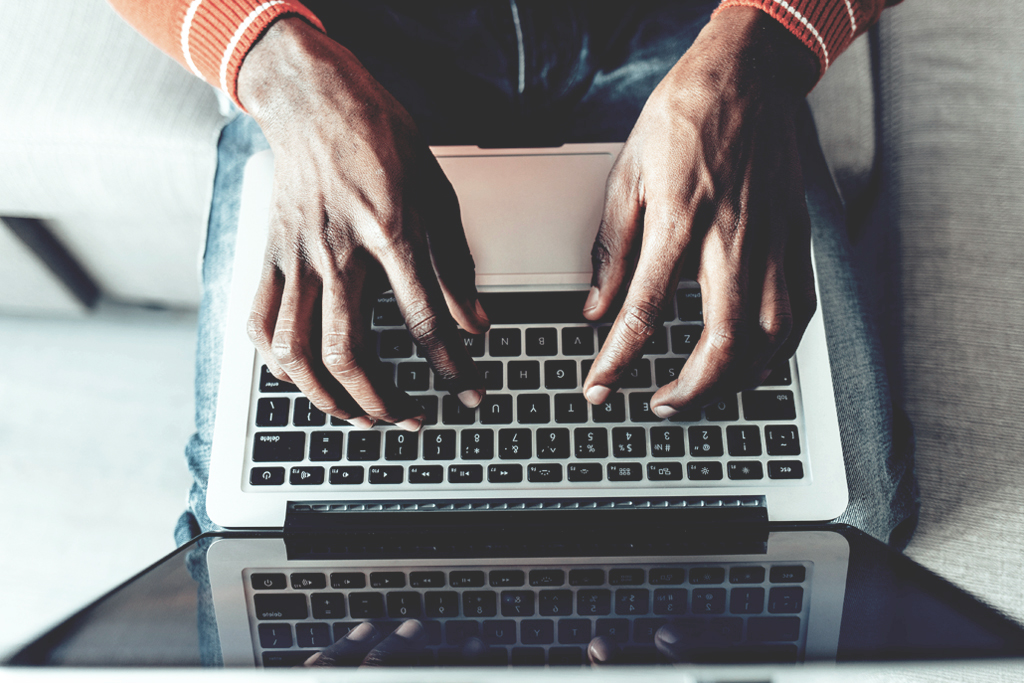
(113,145)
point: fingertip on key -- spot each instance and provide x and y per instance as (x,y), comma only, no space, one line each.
(598,394)
(410,425)
(664,412)
(361,422)
(471,398)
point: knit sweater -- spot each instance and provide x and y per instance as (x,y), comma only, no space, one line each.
(212,37)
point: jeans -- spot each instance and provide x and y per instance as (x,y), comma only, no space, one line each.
(536,73)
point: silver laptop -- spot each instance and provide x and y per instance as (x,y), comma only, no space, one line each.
(530,216)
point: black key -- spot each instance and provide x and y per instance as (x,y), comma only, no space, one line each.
(571,408)
(591,442)
(761,629)
(278,446)
(335,422)
(413,376)
(541,341)
(786,469)
(640,408)
(553,443)
(465,474)
(524,375)
(565,656)
(286,658)
(466,579)
(492,373)
(625,471)
(363,445)
(499,632)
(544,473)
(626,577)
(453,412)
(573,631)
(404,605)
(691,415)
(272,412)
(585,366)
(577,341)
(496,409)
(612,410)
(667,576)
(266,476)
(787,574)
(533,408)
(506,577)
(769,405)
(506,342)
(629,442)
(306,476)
(439,444)
(638,376)
(743,441)
(516,603)
(786,600)
(667,442)
(705,441)
(708,600)
(426,474)
(272,385)
(401,445)
(429,404)
(746,575)
(632,601)
(426,579)
(644,629)
(313,635)
(780,376)
(657,343)
(668,601)
(280,606)
(725,410)
(387,580)
(527,656)
(560,374)
(586,577)
(666,370)
(579,471)
(537,631)
(268,582)
(746,470)
(386,312)
(684,338)
(395,344)
(556,603)
(782,440)
(346,475)
(689,304)
(707,575)
(474,343)
(593,602)
(504,474)
(328,605)
(614,629)
(725,630)
(515,444)
(479,603)
(547,577)
(477,444)
(325,445)
(341,580)
(275,635)
(703,471)
(746,600)
(441,604)
(387,474)
(458,632)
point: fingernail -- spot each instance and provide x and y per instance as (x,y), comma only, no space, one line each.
(410,629)
(471,398)
(410,425)
(361,422)
(481,314)
(312,660)
(592,298)
(598,394)
(600,650)
(667,636)
(365,631)
(664,412)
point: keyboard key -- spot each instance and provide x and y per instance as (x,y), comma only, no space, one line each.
(435,638)
(506,342)
(544,473)
(560,374)
(541,341)
(313,635)
(703,471)
(307,415)
(496,409)
(684,338)
(786,469)
(746,575)
(782,440)
(565,656)
(386,312)
(341,580)
(493,374)
(275,635)
(725,410)
(271,582)
(474,343)
(387,580)
(517,603)
(707,575)
(527,656)
(553,443)
(499,632)
(586,577)
(760,629)
(745,470)
(786,600)
(667,442)
(413,376)
(593,602)
(632,601)
(689,304)
(426,474)
(387,474)
(665,471)
(278,446)
(533,408)
(458,632)
(743,441)
(708,600)
(645,629)
(266,476)
(626,577)
(395,344)
(640,408)
(669,601)
(346,475)
(705,441)
(466,579)
(504,474)
(453,412)
(515,444)
(537,631)
(479,603)
(286,658)
(571,408)
(769,405)
(625,471)
(429,404)
(401,445)
(579,471)
(306,476)
(433,579)
(591,442)
(613,629)
(404,605)
(335,422)
(690,415)
(780,376)
(523,374)
(465,474)
(547,577)
(439,444)
(477,444)
(272,385)
(272,412)
(612,410)
(577,341)
(328,605)
(666,370)
(325,445)
(667,576)
(746,600)
(281,606)
(573,631)
(555,603)
(657,343)
(441,604)
(363,445)
(787,574)
(506,577)
(629,442)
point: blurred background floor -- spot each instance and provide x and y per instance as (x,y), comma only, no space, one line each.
(94,416)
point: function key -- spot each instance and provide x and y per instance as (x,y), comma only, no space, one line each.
(786,469)
(544,473)
(326,445)
(387,580)
(703,471)
(401,445)
(625,471)
(272,412)
(667,442)
(591,442)
(612,410)
(629,442)
(689,304)
(586,577)
(579,471)
(664,471)
(278,446)
(272,385)
(506,342)
(542,341)
(666,370)
(560,374)
(453,412)
(626,577)
(346,475)
(306,476)
(750,469)
(309,581)
(547,577)
(426,474)
(465,474)
(341,580)
(725,410)
(413,376)
(684,338)
(364,445)
(466,579)
(504,474)
(268,582)
(746,574)
(386,312)
(705,441)
(266,476)
(515,444)
(780,376)
(782,440)
(506,577)
(769,405)
(667,576)
(439,444)
(553,443)
(578,341)
(787,574)
(524,374)
(384,474)
(707,575)
(395,344)
(743,441)
(426,579)
(571,408)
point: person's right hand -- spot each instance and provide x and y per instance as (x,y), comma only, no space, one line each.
(357,196)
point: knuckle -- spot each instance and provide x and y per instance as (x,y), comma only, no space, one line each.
(424,325)
(288,350)
(339,357)
(256,329)
(641,318)
(600,253)
(728,337)
(776,327)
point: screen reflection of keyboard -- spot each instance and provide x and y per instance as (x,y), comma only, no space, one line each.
(541,615)
(534,426)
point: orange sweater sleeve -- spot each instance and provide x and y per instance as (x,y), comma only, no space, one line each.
(210,38)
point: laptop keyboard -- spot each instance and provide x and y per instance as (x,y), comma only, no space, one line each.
(536,615)
(534,428)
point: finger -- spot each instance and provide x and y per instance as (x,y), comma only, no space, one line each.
(671,642)
(401,648)
(263,317)
(617,237)
(603,651)
(800,282)
(775,323)
(350,650)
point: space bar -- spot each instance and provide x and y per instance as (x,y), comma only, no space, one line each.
(531,308)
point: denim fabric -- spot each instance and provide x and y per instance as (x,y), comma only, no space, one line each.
(578,73)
